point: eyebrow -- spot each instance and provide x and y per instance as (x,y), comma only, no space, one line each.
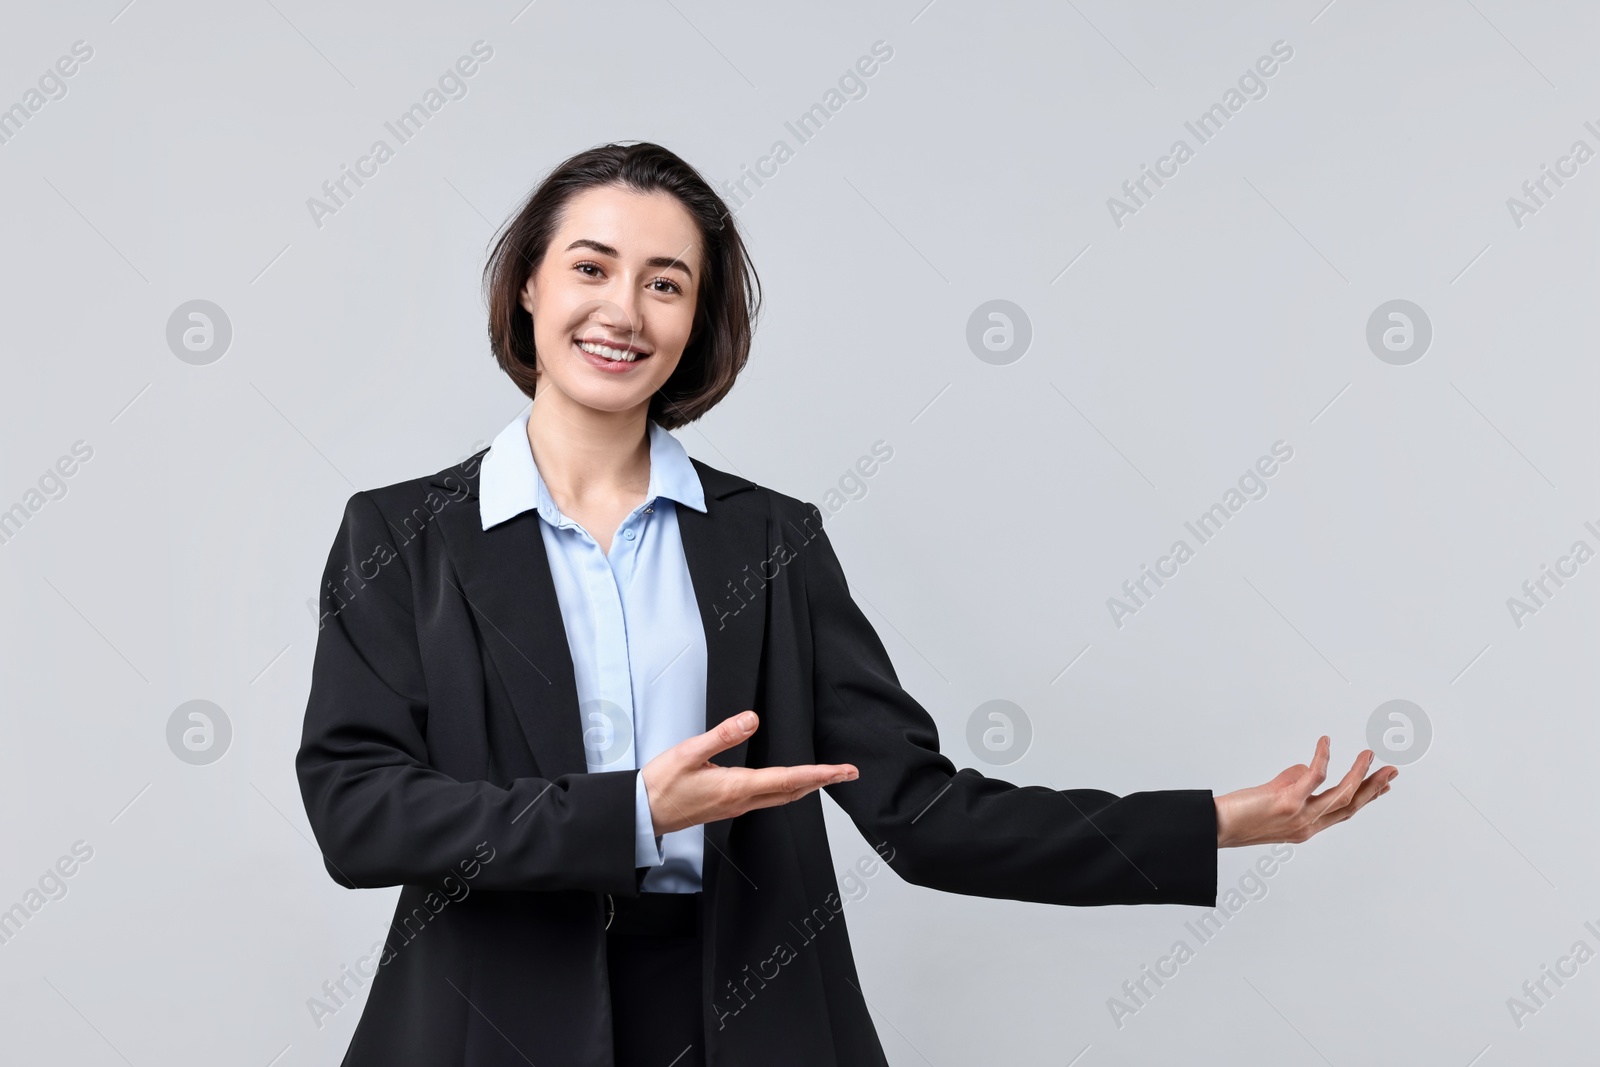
(659,262)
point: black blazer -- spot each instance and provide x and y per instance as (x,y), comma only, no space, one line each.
(442,752)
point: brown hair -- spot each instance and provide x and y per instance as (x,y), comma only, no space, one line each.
(726,303)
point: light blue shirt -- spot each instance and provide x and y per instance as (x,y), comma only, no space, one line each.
(633,626)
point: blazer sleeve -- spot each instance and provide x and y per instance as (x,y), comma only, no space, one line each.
(382,815)
(963,832)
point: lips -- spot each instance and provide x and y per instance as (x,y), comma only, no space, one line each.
(606,363)
(613,350)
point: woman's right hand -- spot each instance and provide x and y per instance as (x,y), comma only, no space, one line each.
(687,789)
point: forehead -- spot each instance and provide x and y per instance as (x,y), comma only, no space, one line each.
(637,225)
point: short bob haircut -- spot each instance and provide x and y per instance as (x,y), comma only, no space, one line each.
(726,304)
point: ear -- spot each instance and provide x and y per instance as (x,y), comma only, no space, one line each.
(526,298)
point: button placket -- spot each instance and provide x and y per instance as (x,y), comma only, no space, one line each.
(621,566)
(611,653)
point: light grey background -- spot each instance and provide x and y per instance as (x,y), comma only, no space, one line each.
(1228,313)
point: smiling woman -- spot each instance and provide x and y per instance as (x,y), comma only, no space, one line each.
(631,675)
(639,273)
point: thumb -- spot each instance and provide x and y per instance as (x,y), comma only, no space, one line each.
(726,734)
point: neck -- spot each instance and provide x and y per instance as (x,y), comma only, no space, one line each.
(585,454)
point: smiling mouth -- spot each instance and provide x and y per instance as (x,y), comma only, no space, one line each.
(615,355)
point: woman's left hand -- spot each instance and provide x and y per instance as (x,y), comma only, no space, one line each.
(1286,809)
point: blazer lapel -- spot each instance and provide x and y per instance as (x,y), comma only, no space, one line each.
(505,578)
(726,548)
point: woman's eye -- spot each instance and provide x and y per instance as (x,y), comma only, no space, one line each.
(587,265)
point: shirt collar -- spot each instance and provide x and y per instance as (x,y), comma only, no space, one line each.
(509,482)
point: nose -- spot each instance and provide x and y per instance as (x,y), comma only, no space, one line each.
(623,311)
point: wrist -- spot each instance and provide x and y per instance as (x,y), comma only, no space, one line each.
(647,840)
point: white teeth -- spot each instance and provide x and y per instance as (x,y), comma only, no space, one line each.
(622,355)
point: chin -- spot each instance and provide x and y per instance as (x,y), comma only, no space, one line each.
(614,399)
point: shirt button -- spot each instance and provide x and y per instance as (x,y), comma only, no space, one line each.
(628,534)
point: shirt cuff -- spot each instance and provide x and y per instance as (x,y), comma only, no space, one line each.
(646,842)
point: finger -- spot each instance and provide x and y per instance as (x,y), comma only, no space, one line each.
(1319,765)
(754,781)
(1340,794)
(1301,778)
(1374,787)
(723,736)
(789,795)
(750,802)
(1340,814)
(772,800)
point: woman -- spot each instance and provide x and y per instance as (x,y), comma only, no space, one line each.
(576,696)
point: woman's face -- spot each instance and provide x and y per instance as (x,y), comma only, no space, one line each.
(621,273)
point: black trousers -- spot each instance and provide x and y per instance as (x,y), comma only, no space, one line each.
(657,1010)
